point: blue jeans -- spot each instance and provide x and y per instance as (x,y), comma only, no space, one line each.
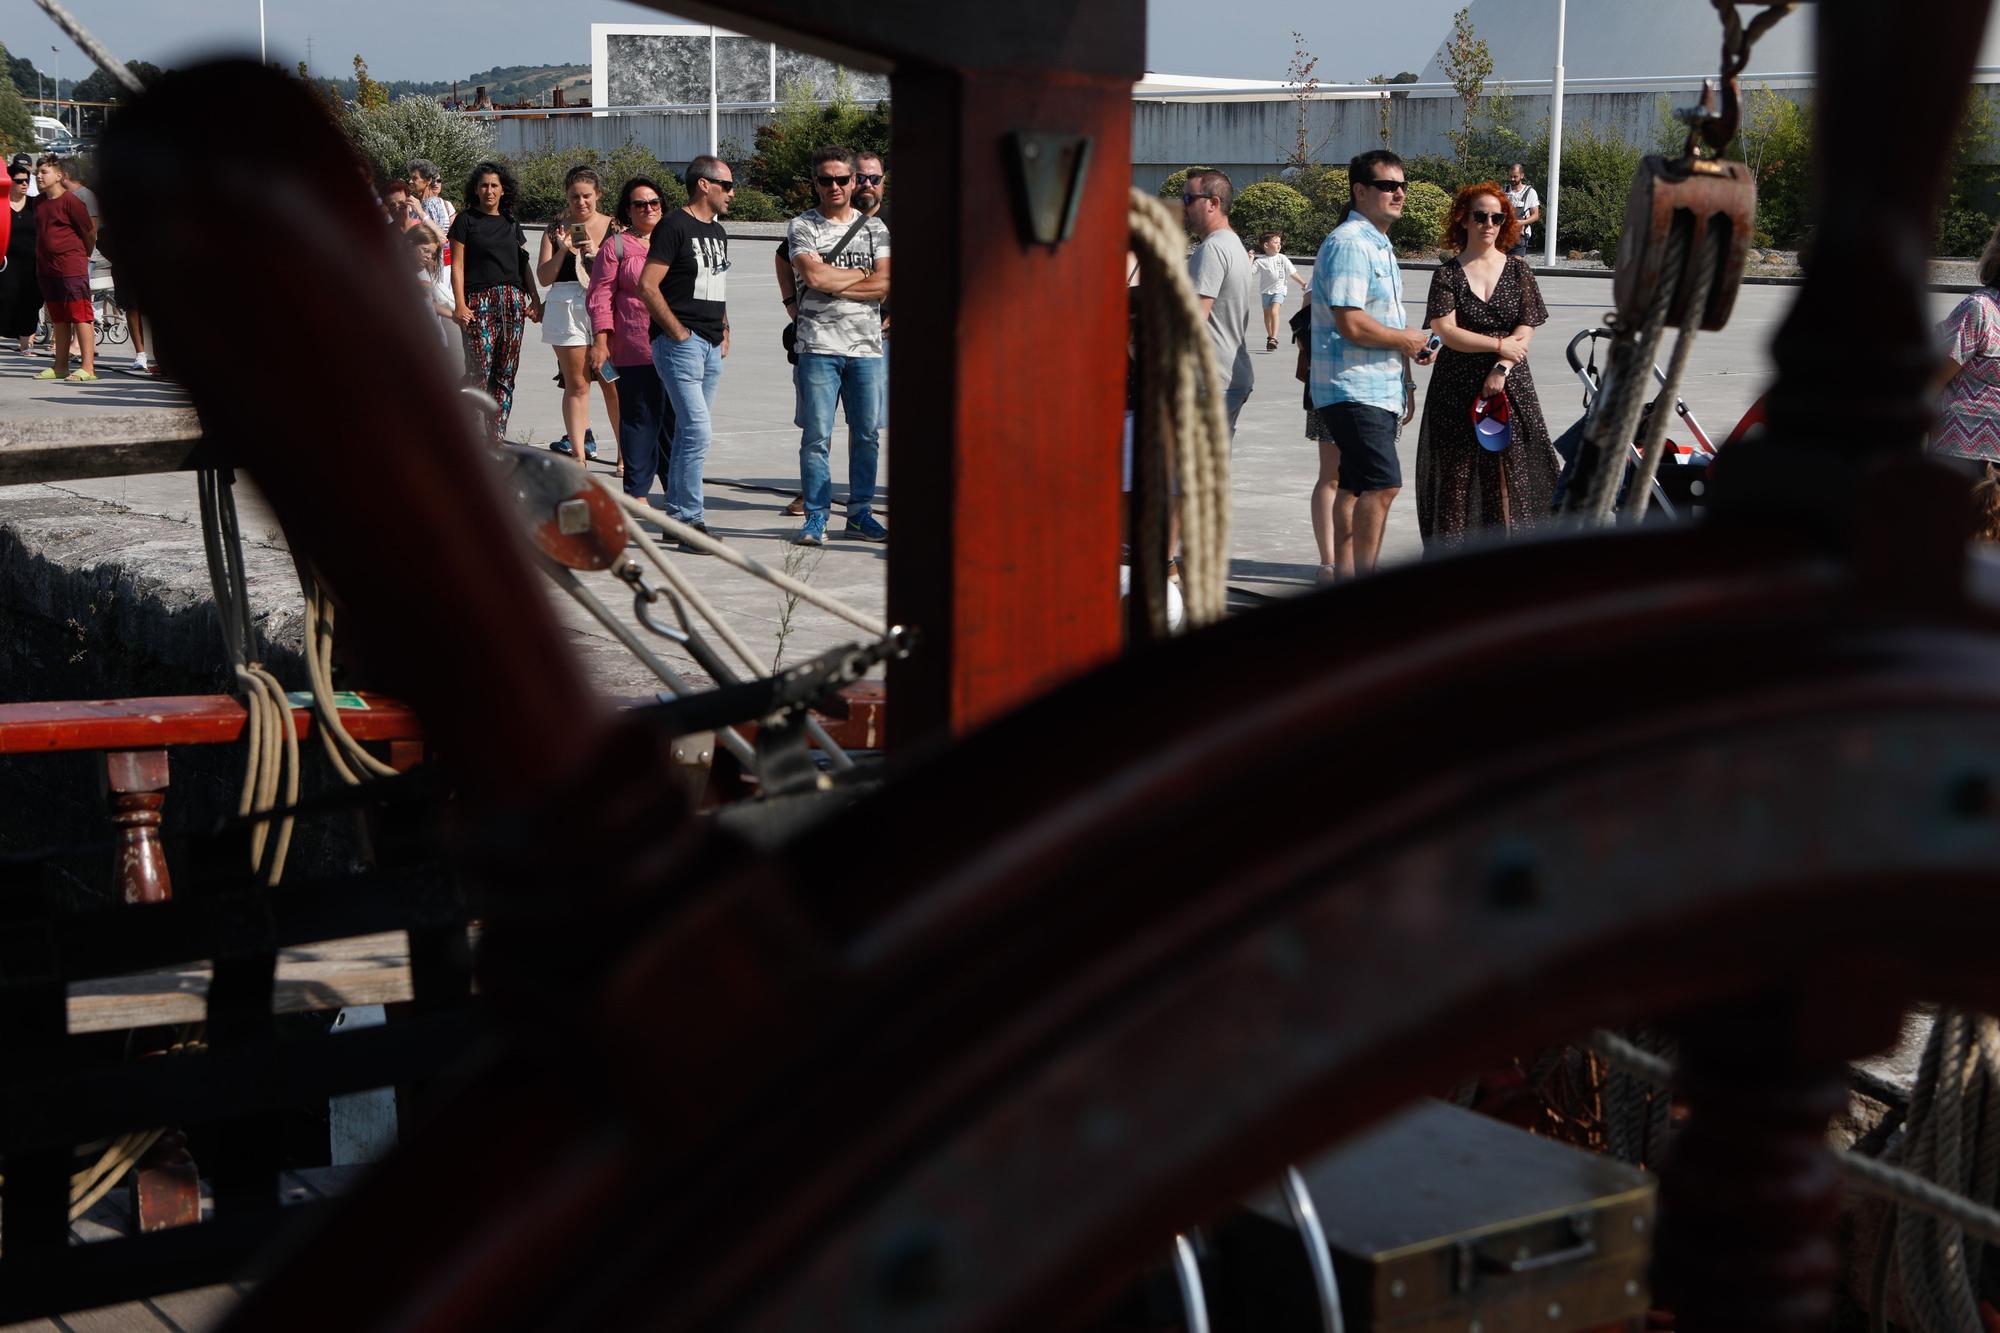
(860,384)
(645,427)
(690,370)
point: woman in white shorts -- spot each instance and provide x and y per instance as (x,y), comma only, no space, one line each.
(569,248)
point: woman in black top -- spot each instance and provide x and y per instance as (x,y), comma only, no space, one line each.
(489,281)
(20,297)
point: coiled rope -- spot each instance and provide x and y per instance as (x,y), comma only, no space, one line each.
(271,765)
(1180,404)
(1941,1176)
(350,759)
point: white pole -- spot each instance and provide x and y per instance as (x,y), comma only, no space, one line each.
(263,52)
(1553,187)
(714,107)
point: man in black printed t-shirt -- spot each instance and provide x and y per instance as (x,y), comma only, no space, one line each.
(684,286)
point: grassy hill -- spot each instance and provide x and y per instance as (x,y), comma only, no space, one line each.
(505,83)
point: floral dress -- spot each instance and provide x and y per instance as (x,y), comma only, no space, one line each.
(1461,488)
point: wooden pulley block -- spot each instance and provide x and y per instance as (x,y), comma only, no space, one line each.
(1716,202)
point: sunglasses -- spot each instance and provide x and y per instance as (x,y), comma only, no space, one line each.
(726,186)
(869,179)
(23,177)
(1388,187)
(842,181)
(1187,199)
(1497,219)
(647,203)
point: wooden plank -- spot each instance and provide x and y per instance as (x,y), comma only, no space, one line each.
(120,444)
(369,969)
(152,723)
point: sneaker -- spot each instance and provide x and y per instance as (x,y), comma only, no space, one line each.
(560,446)
(50,374)
(140,364)
(797,508)
(589,442)
(813,533)
(83,377)
(864,527)
(689,548)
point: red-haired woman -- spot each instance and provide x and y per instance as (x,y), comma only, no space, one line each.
(1486,307)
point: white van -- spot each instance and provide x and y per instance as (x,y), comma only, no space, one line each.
(52,135)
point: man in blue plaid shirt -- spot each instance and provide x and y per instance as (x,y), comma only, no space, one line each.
(1359,343)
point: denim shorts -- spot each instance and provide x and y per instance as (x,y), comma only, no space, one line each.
(1366,437)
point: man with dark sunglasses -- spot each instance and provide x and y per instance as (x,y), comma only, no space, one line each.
(684,285)
(1224,284)
(1360,342)
(841,258)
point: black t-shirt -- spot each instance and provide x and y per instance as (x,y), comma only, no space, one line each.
(488,248)
(696,254)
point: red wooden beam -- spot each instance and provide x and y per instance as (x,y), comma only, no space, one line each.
(156,723)
(217,719)
(1008,363)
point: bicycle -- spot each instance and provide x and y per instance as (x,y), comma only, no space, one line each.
(111,325)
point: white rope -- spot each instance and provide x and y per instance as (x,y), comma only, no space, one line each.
(1181,396)
(805,592)
(350,759)
(1947,1065)
(1639,495)
(1614,416)
(98,52)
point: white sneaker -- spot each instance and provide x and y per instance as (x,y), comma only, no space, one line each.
(139,362)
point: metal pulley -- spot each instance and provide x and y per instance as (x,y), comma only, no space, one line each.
(1714,205)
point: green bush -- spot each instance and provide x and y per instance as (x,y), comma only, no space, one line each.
(1325,190)
(1268,206)
(1172,186)
(1963,232)
(1433,169)
(782,163)
(390,136)
(1597,170)
(540,178)
(753,205)
(1425,208)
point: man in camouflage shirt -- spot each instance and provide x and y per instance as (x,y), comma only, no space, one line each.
(841,258)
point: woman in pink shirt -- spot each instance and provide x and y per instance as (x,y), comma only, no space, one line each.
(622,337)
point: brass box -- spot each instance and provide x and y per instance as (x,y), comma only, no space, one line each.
(1441,1220)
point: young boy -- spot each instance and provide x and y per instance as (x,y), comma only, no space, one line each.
(1275,274)
(64,237)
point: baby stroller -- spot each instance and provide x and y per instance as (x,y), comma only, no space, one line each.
(1684,467)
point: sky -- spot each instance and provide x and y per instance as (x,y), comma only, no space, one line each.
(446,39)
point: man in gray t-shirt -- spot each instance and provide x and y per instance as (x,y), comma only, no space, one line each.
(1220,267)
(841,258)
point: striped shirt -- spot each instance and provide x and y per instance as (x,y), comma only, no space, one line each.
(1356,270)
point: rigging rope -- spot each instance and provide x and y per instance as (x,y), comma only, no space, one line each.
(1180,404)
(1943,1181)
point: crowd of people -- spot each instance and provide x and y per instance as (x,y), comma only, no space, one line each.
(636,302)
(1485,463)
(46,294)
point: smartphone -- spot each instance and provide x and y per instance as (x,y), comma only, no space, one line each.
(608,373)
(578,233)
(1431,347)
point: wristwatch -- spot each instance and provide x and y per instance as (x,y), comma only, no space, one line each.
(1503,368)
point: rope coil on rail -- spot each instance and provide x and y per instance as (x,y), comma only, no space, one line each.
(1180,404)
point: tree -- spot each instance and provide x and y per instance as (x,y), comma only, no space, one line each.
(390,136)
(1382,107)
(17,134)
(370,95)
(782,164)
(1467,64)
(101,87)
(21,71)
(1299,77)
